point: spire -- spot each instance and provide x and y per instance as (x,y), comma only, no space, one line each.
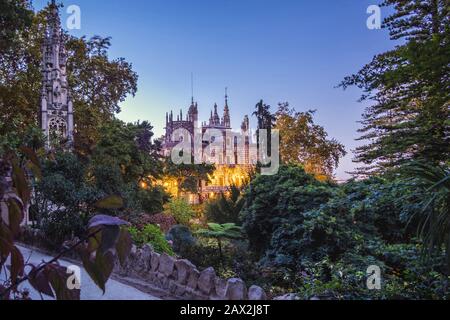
(192,88)
(226,97)
(226,111)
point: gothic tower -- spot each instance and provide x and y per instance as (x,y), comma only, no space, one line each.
(56,104)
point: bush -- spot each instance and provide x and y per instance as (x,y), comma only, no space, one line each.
(271,201)
(226,208)
(60,226)
(181,238)
(153,235)
(180,210)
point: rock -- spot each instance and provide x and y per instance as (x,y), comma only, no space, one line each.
(184,268)
(147,251)
(206,281)
(288,296)
(221,288)
(236,289)
(166,264)
(154,261)
(256,293)
(193,279)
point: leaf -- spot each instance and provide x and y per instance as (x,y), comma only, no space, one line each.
(100,268)
(17,264)
(58,277)
(94,240)
(40,282)
(15,215)
(6,241)
(110,234)
(123,246)
(111,202)
(20,182)
(104,220)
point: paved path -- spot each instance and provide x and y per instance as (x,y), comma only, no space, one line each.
(89,291)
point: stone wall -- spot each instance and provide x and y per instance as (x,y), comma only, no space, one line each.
(183,280)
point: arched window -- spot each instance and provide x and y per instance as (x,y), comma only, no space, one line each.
(57,127)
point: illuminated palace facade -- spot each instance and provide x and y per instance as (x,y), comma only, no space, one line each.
(232,153)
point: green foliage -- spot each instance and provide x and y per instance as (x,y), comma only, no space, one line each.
(269,200)
(225,208)
(181,238)
(324,250)
(181,210)
(408,88)
(306,143)
(153,235)
(98,83)
(434,217)
(221,231)
(188,176)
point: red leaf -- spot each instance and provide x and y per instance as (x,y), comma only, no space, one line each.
(20,182)
(40,282)
(58,277)
(123,246)
(15,215)
(17,264)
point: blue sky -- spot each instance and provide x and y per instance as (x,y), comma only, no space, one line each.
(276,50)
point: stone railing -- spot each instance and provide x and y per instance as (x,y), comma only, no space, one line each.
(183,280)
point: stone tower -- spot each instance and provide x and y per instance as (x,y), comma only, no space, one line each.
(56,104)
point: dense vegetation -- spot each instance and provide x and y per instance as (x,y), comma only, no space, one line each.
(297,231)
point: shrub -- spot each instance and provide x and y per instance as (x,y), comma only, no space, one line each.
(181,238)
(270,201)
(180,210)
(225,209)
(153,235)
(164,221)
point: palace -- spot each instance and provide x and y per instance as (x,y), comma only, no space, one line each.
(232,153)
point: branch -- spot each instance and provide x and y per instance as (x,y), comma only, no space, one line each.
(55,259)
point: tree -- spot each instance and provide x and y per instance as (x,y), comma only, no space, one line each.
(408,119)
(98,84)
(221,232)
(266,121)
(226,208)
(434,218)
(15,17)
(306,143)
(128,146)
(188,176)
(270,201)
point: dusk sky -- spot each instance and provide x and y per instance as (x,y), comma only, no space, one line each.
(275,50)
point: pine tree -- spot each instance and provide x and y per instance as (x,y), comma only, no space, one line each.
(409,88)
